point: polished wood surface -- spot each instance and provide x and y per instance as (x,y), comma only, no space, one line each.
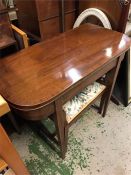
(10,155)
(40,74)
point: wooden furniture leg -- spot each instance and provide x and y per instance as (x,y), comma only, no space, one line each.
(4,109)
(66,138)
(14,123)
(10,155)
(102,102)
(114,74)
(60,127)
(115,100)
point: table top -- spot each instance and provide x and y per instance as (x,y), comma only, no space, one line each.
(40,74)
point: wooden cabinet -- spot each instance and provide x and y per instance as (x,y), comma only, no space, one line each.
(42,18)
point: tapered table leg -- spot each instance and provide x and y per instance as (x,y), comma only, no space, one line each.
(60,127)
(112,77)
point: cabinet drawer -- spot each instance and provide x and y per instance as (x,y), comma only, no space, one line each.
(69,5)
(49,28)
(69,21)
(47,9)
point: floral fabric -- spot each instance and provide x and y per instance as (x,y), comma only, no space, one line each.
(73,107)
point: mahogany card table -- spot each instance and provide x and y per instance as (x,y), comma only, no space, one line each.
(37,81)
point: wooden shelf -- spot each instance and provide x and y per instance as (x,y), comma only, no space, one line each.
(76,105)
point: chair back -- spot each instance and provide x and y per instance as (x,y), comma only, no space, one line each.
(21,37)
(116,11)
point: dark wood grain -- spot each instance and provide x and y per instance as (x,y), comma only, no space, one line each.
(40,74)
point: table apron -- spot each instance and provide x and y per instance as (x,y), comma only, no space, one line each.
(88,80)
(36,113)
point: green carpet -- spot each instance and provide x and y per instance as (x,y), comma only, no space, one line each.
(92,145)
(48,162)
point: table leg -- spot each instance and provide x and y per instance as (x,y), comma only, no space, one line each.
(102,102)
(60,127)
(10,155)
(14,123)
(113,76)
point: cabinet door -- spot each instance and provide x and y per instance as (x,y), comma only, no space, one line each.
(47,9)
(49,28)
(69,5)
(69,21)
(27,16)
